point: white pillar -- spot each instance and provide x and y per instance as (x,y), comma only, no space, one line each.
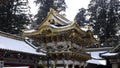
(85,64)
(73,65)
(114,65)
(67,66)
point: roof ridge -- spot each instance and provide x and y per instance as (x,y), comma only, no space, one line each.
(20,38)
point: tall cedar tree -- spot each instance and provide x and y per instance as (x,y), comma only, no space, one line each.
(104,18)
(80,18)
(45,5)
(13,16)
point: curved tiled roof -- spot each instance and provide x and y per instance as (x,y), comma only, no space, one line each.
(16,45)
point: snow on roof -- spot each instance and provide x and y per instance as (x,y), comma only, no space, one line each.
(86,28)
(30,31)
(16,45)
(63,20)
(109,54)
(118,33)
(96,58)
(96,54)
(61,26)
(98,62)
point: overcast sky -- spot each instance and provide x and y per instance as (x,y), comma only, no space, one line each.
(72,7)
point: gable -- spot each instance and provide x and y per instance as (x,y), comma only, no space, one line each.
(55,19)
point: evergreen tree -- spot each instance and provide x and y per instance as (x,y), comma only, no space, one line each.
(13,15)
(104,17)
(45,5)
(80,18)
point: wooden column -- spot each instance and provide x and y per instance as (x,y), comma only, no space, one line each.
(54,63)
(44,64)
(56,42)
(63,63)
